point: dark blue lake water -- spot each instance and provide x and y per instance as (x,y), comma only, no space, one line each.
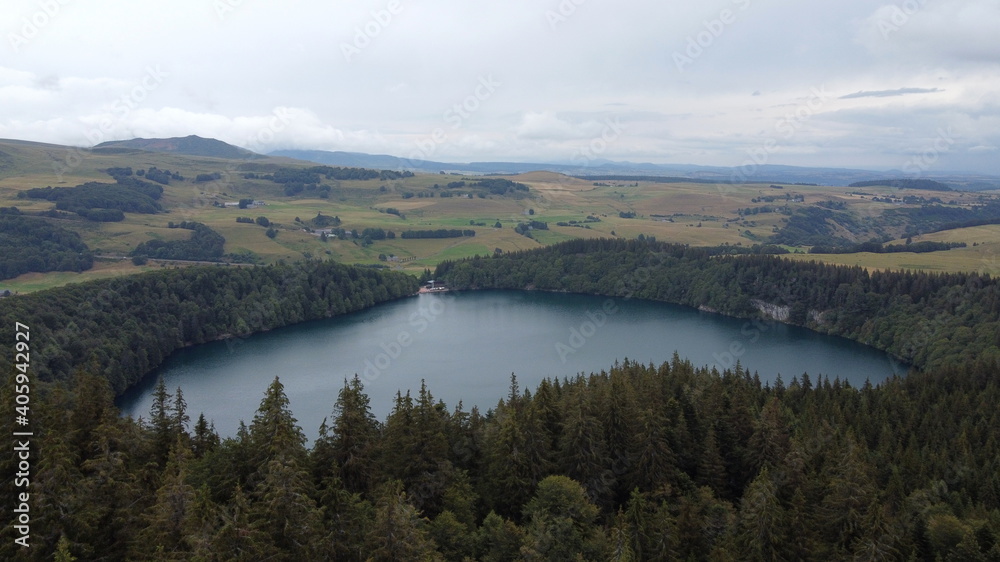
(466,345)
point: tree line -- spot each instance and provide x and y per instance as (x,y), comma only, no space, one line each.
(123,328)
(127,195)
(636,462)
(905,183)
(878,248)
(204,244)
(35,244)
(925,319)
(439,233)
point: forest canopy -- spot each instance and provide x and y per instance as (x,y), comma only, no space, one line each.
(33,244)
(634,462)
(926,319)
(205,244)
(127,195)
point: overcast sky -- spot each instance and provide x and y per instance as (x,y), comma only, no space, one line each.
(912,85)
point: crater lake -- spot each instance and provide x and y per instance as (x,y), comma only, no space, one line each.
(466,345)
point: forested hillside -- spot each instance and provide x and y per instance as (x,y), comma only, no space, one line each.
(205,244)
(926,319)
(34,244)
(122,328)
(636,462)
(127,195)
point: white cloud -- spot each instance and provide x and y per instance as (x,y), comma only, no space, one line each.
(940,31)
(547,125)
(558,85)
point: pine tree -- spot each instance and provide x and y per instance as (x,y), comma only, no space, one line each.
(163,535)
(711,467)
(346,519)
(517,458)
(161,422)
(179,418)
(849,496)
(769,443)
(655,460)
(398,532)
(454,540)
(274,434)
(622,540)
(239,540)
(661,538)
(583,456)
(205,438)
(620,428)
(55,501)
(348,448)
(762,520)
(704,523)
(560,522)
(880,540)
(498,540)
(547,410)
(284,510)
(63,553)
(201,522)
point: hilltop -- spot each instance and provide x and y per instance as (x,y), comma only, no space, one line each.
(192,145)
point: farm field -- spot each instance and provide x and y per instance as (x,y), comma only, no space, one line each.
(694,213)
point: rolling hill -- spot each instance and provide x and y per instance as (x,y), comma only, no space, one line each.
(192,145)
(374,205)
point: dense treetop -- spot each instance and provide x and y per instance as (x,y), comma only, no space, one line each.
(635,462)
(926,319)
(35,244)
(124,327)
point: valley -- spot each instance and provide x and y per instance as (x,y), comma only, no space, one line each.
(550,207)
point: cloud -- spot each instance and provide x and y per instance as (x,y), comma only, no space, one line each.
(890,93)
(547,125)
(943,31)
(558,85)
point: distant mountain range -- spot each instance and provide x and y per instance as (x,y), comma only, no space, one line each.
(194,145)
(765,173)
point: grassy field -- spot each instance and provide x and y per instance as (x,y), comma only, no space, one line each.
(689,213)
(30,282)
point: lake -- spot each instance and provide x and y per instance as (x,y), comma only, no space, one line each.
(466,345)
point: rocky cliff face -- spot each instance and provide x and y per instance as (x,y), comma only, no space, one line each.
(772,311)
